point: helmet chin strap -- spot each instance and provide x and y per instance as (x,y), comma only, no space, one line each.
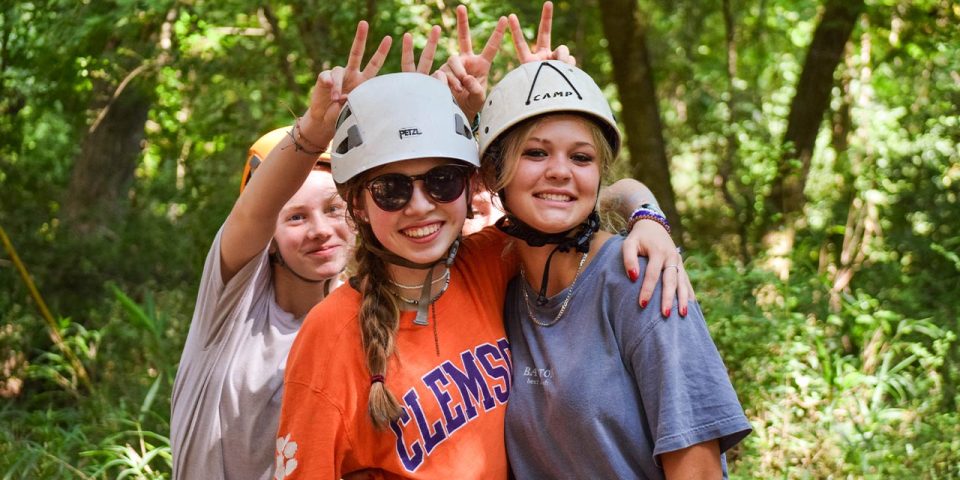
(373,245)
(577,238)
(277,259)
(423,305)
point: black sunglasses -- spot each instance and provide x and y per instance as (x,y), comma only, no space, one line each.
(444,184)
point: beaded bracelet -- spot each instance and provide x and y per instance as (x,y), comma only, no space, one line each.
(648,211)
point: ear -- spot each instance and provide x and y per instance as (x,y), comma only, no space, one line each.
(273,248)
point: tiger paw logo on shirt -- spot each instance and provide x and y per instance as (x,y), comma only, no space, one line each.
(286,464)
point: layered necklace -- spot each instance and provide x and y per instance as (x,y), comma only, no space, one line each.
(445,278)
(563,306)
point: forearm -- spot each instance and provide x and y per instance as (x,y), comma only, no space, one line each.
(698,461)
(251,224)
(624,196)
(281,174)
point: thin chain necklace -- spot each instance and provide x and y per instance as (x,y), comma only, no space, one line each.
(563,307)
(446,275)
(414,301)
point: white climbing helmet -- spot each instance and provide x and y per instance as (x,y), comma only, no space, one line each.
(399,116)
(537,88)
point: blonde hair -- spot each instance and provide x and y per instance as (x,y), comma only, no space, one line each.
(379,310)
(499,163)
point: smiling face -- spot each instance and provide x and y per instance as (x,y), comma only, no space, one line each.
(423,229)
(312,234)
(554,175)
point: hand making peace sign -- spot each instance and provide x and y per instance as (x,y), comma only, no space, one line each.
(467,71)
(541,50)
(426,56)
(332,87)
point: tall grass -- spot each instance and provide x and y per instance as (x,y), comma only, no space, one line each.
(851,394)
(119,428)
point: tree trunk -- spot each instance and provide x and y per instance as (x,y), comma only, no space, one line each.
(108,158)
(740,200)
(626,36)
(809,105)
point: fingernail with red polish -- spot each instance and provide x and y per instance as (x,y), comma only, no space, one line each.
(643,304)
(683,311)
(666,313)
(634,275)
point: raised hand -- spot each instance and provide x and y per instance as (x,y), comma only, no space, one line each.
(541,50)
(333,86)
(426,56)
(467,71)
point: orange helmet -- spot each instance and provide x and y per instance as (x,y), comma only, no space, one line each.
(259,150)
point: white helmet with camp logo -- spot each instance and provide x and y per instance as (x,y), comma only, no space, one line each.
(543,87)
(399,116)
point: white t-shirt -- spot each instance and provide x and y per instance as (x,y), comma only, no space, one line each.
(228,389)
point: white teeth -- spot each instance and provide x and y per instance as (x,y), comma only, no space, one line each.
(421,232)
(556,197)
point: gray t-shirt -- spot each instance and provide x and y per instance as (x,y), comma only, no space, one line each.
(610,386)
(227,394)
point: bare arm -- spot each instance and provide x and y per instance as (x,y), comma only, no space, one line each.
(624,195)
(251,224)
(700,461)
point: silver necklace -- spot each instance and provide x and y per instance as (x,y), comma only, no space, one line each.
(446,275)
(563,307)
(414,301)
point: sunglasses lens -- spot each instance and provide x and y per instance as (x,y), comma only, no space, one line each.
(391,191)
(446,183)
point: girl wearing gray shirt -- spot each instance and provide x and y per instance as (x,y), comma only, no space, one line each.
(602,387)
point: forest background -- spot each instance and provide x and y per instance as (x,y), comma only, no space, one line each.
(805,150)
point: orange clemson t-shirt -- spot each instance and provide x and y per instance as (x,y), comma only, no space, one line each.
(451,377)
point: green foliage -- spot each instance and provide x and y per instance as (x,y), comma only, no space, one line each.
(54,429)
(853,393)
(135,453)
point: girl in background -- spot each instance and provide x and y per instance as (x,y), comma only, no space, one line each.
(279,252)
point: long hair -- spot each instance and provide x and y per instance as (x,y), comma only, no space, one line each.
(379,310)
